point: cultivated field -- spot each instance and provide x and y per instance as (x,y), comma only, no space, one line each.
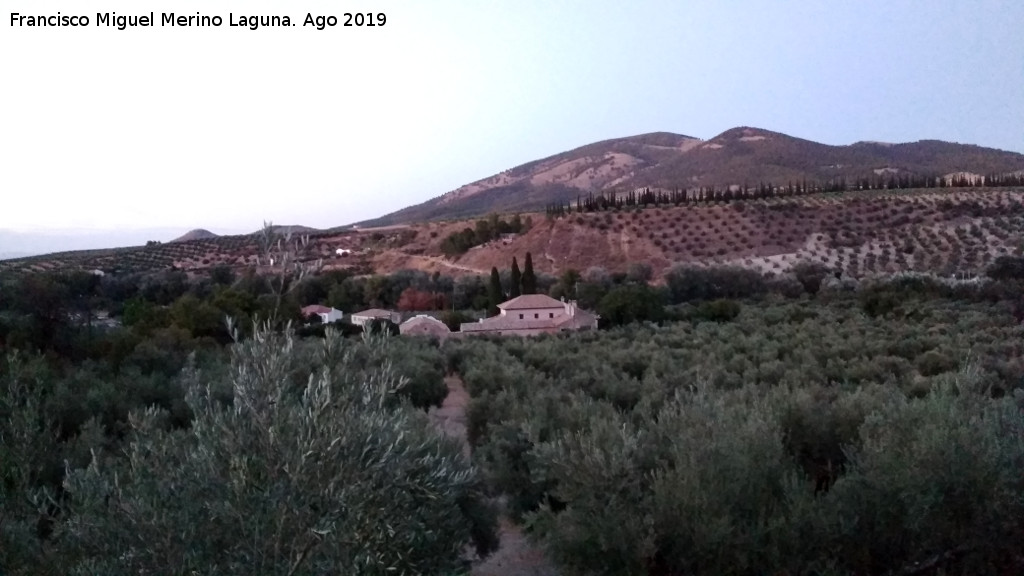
(949,231)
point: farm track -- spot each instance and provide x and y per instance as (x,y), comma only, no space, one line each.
(516,555)
(441,261)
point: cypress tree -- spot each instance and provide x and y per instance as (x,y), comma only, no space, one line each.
(494,296)
(529,280)
(515,289)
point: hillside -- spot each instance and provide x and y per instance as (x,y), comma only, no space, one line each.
(198,254)
(197,234)
(291,229)
(857,233)
(668,161)
(862,233)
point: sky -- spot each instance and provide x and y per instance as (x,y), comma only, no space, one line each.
(166,128)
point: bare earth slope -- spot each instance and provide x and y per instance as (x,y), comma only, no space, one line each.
(531,186)
(858,233)
(668,161)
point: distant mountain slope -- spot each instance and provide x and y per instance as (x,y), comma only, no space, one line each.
(291,229)
(533,185)
(670,161)
(197,234)
(753,155)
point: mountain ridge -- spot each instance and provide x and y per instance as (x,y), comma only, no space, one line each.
(195,234)
(666,160)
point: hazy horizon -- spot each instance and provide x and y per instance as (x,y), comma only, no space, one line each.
(24,243)
(222,129)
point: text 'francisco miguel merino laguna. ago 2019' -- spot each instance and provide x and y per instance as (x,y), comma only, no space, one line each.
(197,20)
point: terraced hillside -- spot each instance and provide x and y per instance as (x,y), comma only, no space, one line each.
(949,231)
(238,252)
(857,233)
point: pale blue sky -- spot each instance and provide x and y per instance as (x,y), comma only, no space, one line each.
(223,128)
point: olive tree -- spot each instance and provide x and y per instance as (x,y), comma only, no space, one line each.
(338,476)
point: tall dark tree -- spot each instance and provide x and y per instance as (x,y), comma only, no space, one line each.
(529,279)
(494,295)
(517,278)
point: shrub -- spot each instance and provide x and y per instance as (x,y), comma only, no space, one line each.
(688,283)
(631,303)
(419,363)
(933,481)
(687,491)
(1006,268)
(380,325)
(934,362)
(720,310)
(810,275)
(283,481)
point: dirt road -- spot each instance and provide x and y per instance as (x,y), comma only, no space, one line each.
(515,556)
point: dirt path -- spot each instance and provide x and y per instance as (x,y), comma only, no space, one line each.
(444,262)
(450,418)
(547,255)
(515,556)
(419,259)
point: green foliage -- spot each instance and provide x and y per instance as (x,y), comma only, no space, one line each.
(529,279)
(516,280)
(458,243)
(589,294)
(935,362)
(375,290)
(29,460)
(701,487)
(1006,268)
(567,285)
(933,480)
(810,275)
(454,319)
(382,325)
(313,290)
(486,229)
(894,295)
(417,361)
(720,310)
(165,287)
(639,273)
(199,318)
(799,438)
(144,316)
(631,303)
(494,293)
(687,283)
(314,467)
(345,296)
(222,275)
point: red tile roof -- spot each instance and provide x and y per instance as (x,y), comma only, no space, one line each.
(527,301)
(315,309)
(374,313)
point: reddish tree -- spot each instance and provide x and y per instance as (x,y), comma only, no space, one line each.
(412,299)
